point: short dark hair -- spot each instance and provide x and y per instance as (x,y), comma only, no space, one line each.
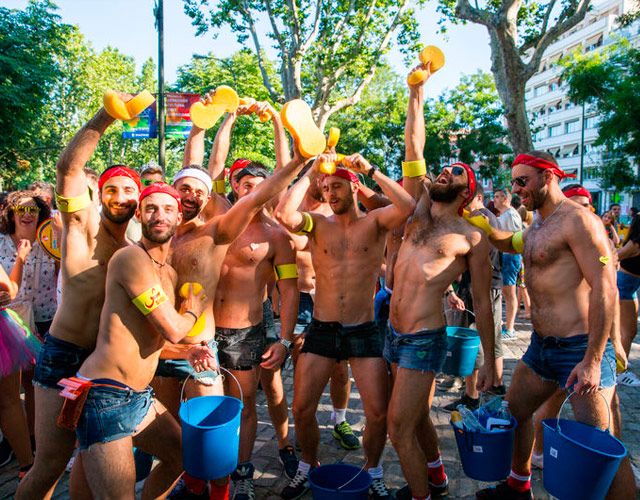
(479,190)
(254,169)
(543,155)
(516,202)
(571,186)
(8,222)
(614,205)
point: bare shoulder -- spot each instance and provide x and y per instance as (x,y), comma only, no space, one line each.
(129,262)
(577,220)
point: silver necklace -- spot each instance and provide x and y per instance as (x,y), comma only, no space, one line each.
(540,221)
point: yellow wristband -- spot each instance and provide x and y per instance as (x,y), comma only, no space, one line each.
(286,271)
(148,300)
(219,186)
(74,204)
(308,224)
(414,168)
(517,242)
(477,220)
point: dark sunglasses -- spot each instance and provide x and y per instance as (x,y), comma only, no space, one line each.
(148,182)
(21,210)
(454,170)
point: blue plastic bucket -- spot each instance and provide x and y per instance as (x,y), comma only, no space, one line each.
(486,456)
(339,482)
(462,349)
(580,461)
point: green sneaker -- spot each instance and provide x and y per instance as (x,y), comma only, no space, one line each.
(343,433)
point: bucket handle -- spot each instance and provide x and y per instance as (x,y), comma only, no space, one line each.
(567,399)
(184,384)
(366,460)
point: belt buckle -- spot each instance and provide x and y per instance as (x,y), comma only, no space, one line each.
(550,341)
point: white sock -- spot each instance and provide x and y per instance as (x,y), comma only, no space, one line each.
(304,467)
(435,463)
(376,472)
(339,415)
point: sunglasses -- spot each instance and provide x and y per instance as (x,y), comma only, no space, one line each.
(454,170)
(148,182)
(21,210)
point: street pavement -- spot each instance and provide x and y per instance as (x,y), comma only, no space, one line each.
(270,478)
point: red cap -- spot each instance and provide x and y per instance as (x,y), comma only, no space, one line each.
(161,187)
(471,184)
(534,161)
(239,163)
(120,171)
(344,174)
(577,191)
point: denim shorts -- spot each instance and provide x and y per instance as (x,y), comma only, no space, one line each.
(553,358)
(57,360)
(425,350)
(269,324)
(628,285)
(181,369)
(111,413)
(510,268)
(241,348)
(331,339)
(305,313)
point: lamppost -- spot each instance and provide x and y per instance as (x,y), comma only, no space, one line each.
(226,63)
(159,15)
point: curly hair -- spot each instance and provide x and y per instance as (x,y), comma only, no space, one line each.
(8,223)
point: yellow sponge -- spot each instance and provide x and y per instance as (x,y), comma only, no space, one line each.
(297,118)
(429,54)
(205,116)
(120,110)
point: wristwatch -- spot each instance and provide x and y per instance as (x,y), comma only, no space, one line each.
(371,172)
(448,292)
(286,343)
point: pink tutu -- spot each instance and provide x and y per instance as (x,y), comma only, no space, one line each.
(19,347)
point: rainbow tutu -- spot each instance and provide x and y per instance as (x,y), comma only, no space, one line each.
(19,347)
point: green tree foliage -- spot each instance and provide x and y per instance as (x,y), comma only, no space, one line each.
(327,51)
(610,82)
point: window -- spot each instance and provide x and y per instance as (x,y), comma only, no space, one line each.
(569,105)
(539,135)
(572,126)
(554,86)
(592,121)
(593,43)
(555,107)
(538,91)
(590,173)
(555,130)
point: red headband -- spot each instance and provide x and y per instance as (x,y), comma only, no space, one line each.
(578,191)
(344,174)
(534,161)
(161,187)
(471,183)
(120,172)
(239,163)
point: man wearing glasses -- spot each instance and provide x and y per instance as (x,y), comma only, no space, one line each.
(149,174)
(438,247)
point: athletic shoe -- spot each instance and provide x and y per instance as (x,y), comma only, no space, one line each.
(471,403)
(6,453)
(503,492)
(508,334)
(628,378)
(498,390)
(288,459)
(181,492)
(242,479)
(378,490)
(297,487)
(450,384)
(636,474)
(537,461)
(441,491)
(343,433)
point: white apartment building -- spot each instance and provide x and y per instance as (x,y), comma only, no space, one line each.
(558,124)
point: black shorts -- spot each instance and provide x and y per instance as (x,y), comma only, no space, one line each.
(334,340)
(241,348)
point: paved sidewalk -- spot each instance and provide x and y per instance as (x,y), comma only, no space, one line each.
(269,476)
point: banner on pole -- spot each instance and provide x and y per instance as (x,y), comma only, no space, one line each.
(178,122)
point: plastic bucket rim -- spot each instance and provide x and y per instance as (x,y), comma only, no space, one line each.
(359,470)
(454,331)
(208,427)
(606,432)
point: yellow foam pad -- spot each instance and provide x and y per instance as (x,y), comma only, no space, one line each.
(199,326)
(139,103)
(334,137)
(429,54)
(297,118)
(329,167)
(115,106)
(264,117)
(205,116)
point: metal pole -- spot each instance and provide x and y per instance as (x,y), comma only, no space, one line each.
(582,147)
(161,100)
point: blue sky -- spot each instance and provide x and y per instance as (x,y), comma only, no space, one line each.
(129,26)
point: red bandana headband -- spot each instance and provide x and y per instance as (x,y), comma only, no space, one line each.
(238,164)
(344,174)
(578,191)
(121,171)
(534,161)
(161,187)
(471,183)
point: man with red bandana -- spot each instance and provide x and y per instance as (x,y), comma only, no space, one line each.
(89,239)
(347,251)
(438,246)
(570,274)
(137,318)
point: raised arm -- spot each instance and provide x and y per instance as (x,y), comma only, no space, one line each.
(15,278)
(134,271)
(194,147)
(370,199)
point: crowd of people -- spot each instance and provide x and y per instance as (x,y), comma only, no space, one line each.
(160,288)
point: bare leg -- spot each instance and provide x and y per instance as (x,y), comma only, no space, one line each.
(54,447)
(470,385)
(511,305)
(277,403)
(340,387)
(548,409)
(249,419)
(628,323)
(373,384)
(499,371)
(13,419)
(78,486)
(110,469)
(29,400)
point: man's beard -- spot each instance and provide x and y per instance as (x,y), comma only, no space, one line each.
(118,219)
(342,207)
(146,232)
(188,213)
(445,193)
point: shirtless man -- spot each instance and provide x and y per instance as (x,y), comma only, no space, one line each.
(438,247)
(137,318)
(347,251)
(571,280)
(263,247)
(89,239)
(340,384)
